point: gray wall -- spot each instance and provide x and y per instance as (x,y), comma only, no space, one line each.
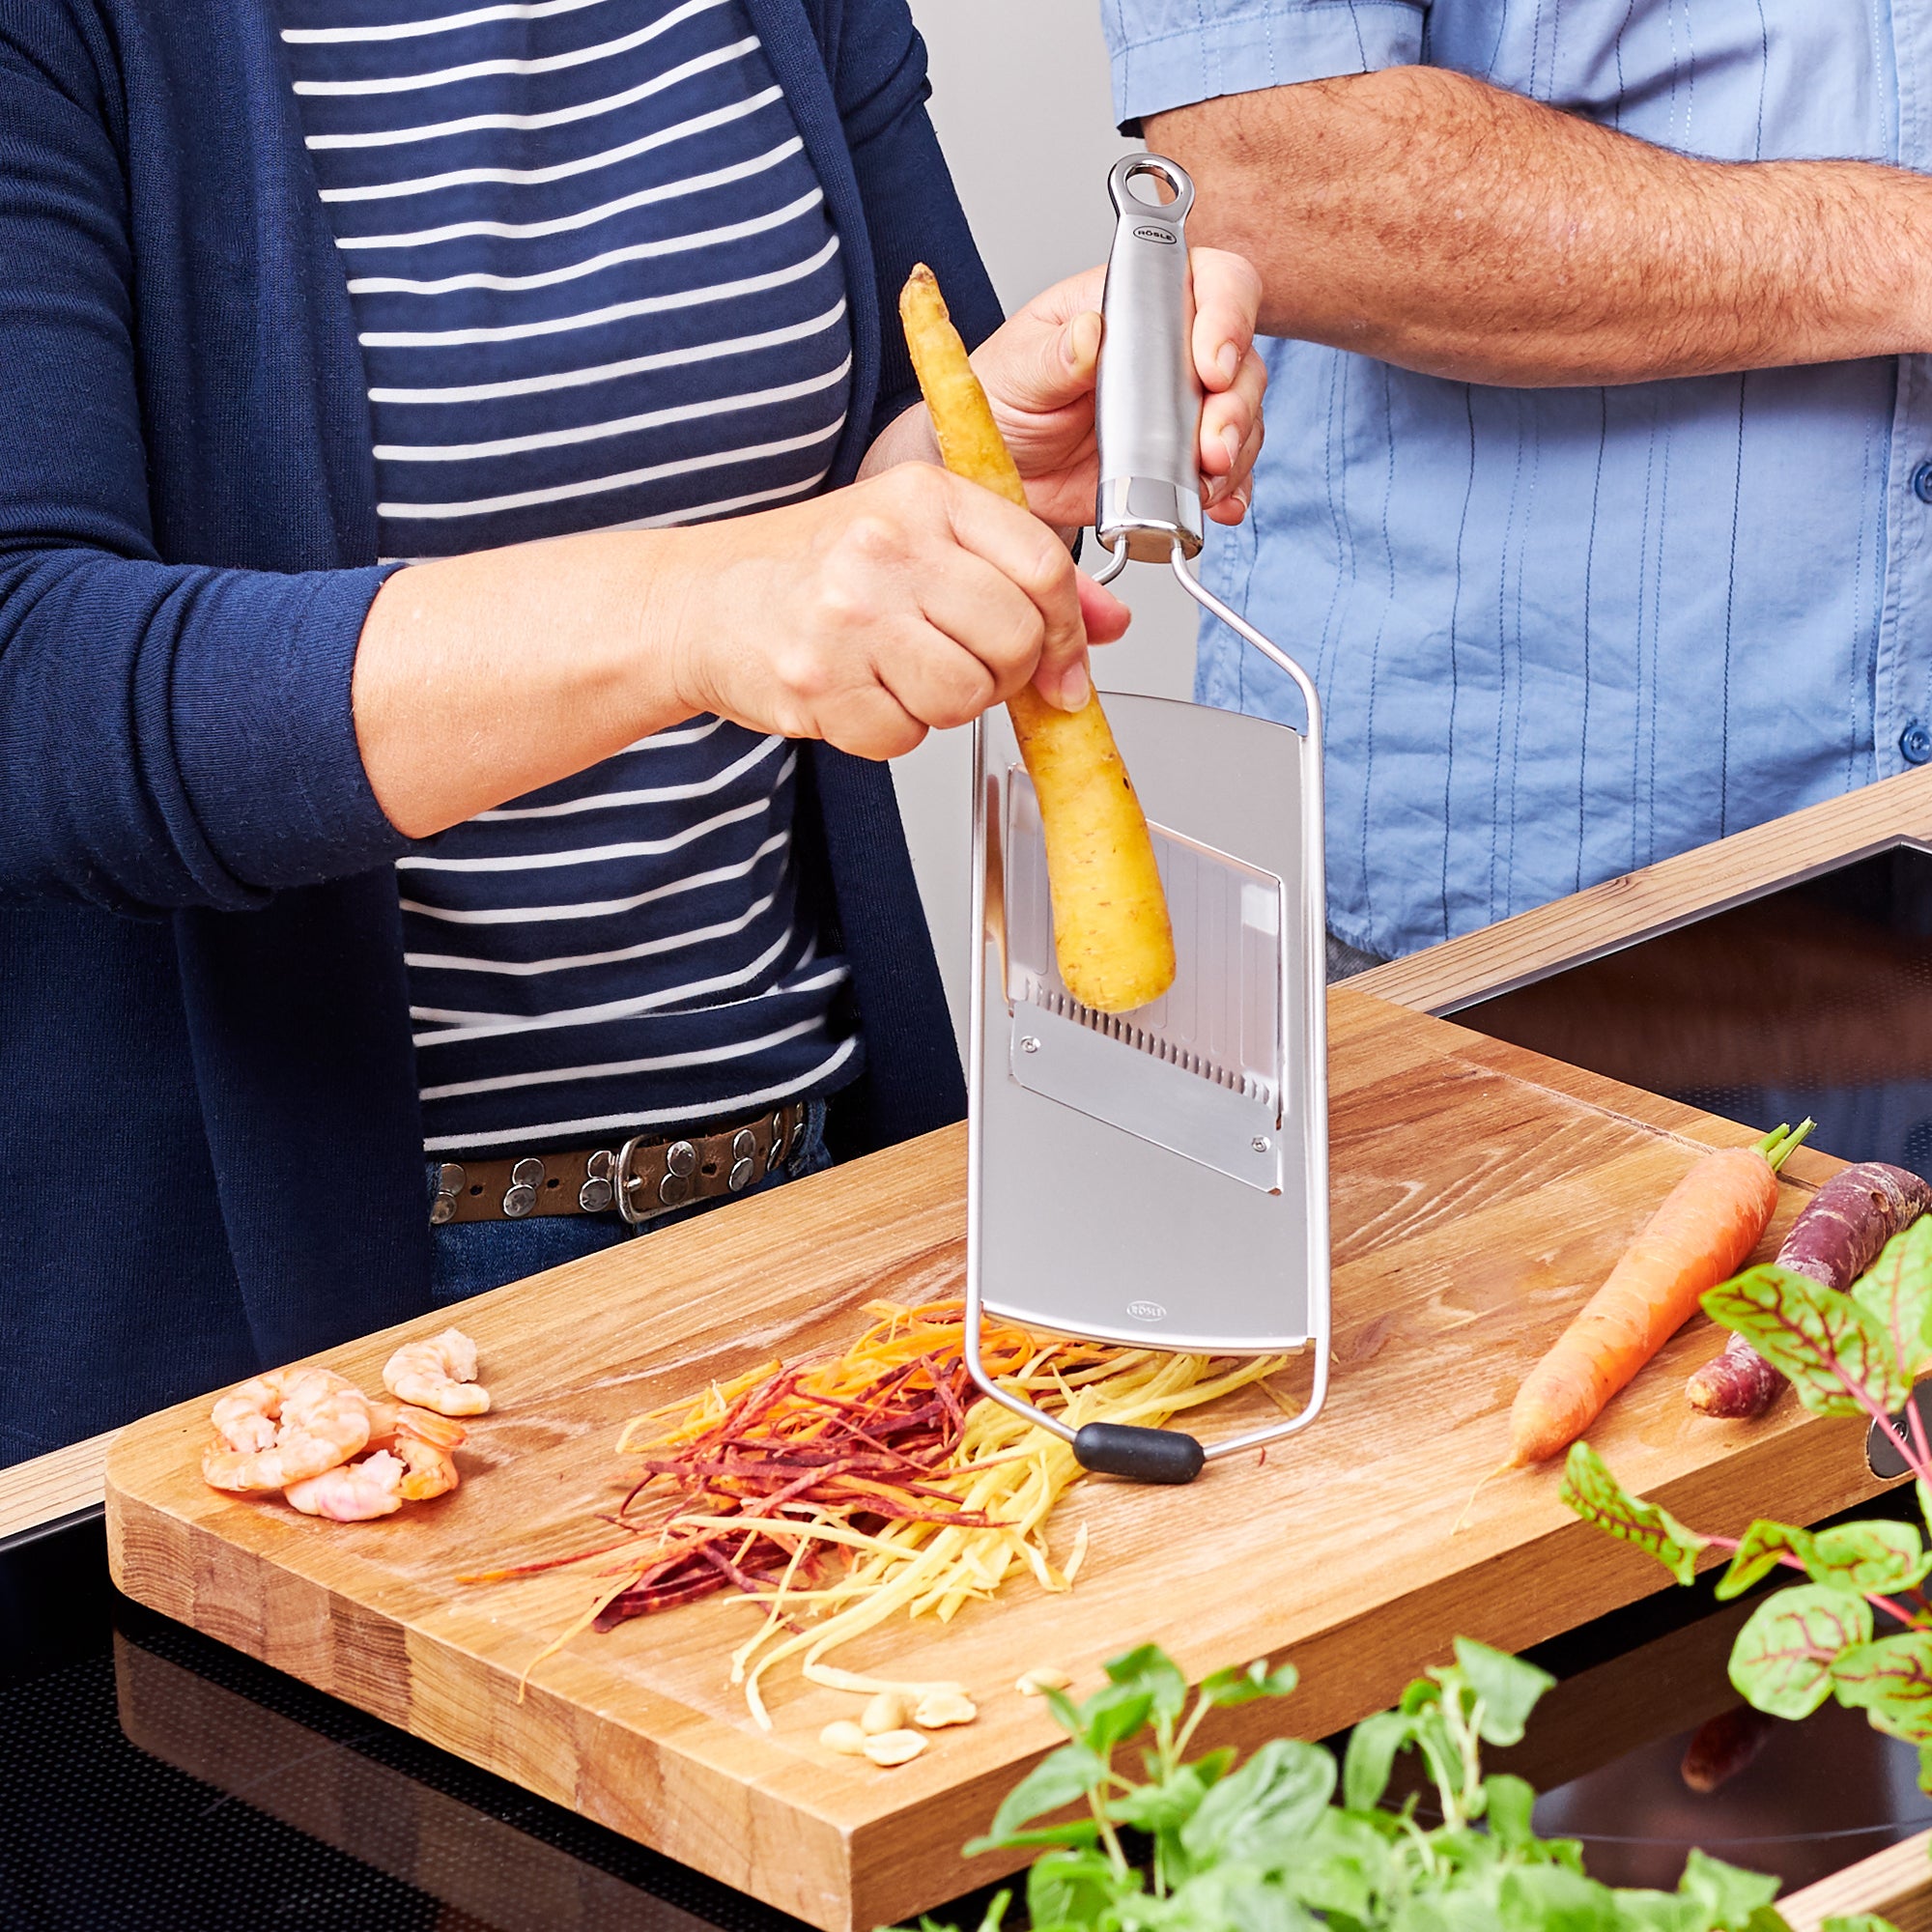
(1020,98)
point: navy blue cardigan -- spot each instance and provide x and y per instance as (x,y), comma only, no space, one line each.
(209,1136)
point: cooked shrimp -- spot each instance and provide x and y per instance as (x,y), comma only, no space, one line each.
(439,1374)
(351,1491)
(423,1441)
(323,1420)
(245,1417)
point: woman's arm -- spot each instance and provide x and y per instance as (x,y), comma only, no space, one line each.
(178,735)
(864,618)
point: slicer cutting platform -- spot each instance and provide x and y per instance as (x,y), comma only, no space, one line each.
(1156,1177)
(1160,1175)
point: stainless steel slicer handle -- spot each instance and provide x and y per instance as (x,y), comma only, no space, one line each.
(1147,413)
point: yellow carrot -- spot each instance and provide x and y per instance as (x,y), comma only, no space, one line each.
(1702,1235)
(1110,931)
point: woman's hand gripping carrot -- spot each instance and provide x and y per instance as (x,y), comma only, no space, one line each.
(1702,1233)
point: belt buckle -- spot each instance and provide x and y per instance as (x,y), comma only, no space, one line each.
(673,1190)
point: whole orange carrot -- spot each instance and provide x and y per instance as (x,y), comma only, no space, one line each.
(1702,1233)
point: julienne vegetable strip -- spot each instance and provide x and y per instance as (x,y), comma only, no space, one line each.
(871,1482)
(1701,1235)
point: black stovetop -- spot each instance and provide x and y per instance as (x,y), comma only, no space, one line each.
(152,1778)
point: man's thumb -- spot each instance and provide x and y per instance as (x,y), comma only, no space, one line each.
(1060,369)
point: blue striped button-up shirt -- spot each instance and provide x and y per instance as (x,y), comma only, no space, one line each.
(1562,633)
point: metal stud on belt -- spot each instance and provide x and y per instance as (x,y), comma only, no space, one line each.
(680,1163)
(450,1182)
(601,1189)
(744,1150)
(521,1195)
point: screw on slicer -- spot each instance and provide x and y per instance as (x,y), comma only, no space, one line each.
(1029,1044)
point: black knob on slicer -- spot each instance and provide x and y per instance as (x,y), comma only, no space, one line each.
(1141,1455)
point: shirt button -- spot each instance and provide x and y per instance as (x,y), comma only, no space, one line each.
(1916,742)
(1921,482)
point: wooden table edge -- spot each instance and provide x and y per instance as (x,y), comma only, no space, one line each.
(1653,899)
(65,1481)
(1899,1874)
(50,1489)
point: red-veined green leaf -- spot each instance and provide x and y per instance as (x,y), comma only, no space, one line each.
(1891,1680)
(1598,1498)
(1781,1662)
(1830,1348)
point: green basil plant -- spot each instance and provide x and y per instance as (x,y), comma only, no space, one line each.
(1212,1845)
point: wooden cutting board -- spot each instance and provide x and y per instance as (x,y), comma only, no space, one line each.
(1479,1193)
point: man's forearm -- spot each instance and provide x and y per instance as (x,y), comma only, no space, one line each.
(1448,226)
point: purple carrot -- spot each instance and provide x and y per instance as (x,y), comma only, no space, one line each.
(1834,1242)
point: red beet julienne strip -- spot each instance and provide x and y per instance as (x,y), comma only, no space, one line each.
(897,1455)
(948,1395)
(725,1566)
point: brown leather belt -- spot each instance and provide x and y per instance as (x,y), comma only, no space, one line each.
(638,1178)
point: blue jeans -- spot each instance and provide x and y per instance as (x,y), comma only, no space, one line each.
(472,1257)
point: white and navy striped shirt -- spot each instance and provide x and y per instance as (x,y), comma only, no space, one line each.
(596,287)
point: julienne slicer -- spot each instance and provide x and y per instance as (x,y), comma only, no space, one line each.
(1160,1177)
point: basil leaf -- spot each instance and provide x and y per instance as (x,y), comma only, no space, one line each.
(1508,1687)
(1165,1806)
(1658,1911)
(1112,1714)
(1781,1662)
(1230,1686)
(1547,1898)
(1264,1808)
(1076,1831)
(1058,1778)
(1727,1896)
(1075,1887)
(1341,1868)
(1234,1898)
(1371,1757)
(1510,1805)
(1151,1669)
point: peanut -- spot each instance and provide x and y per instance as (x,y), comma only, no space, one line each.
(887,1712)
(891,1747)
(844,1737)
(939,1708)
(1034,1682)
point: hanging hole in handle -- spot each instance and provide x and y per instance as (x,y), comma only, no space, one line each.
(1152,187)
